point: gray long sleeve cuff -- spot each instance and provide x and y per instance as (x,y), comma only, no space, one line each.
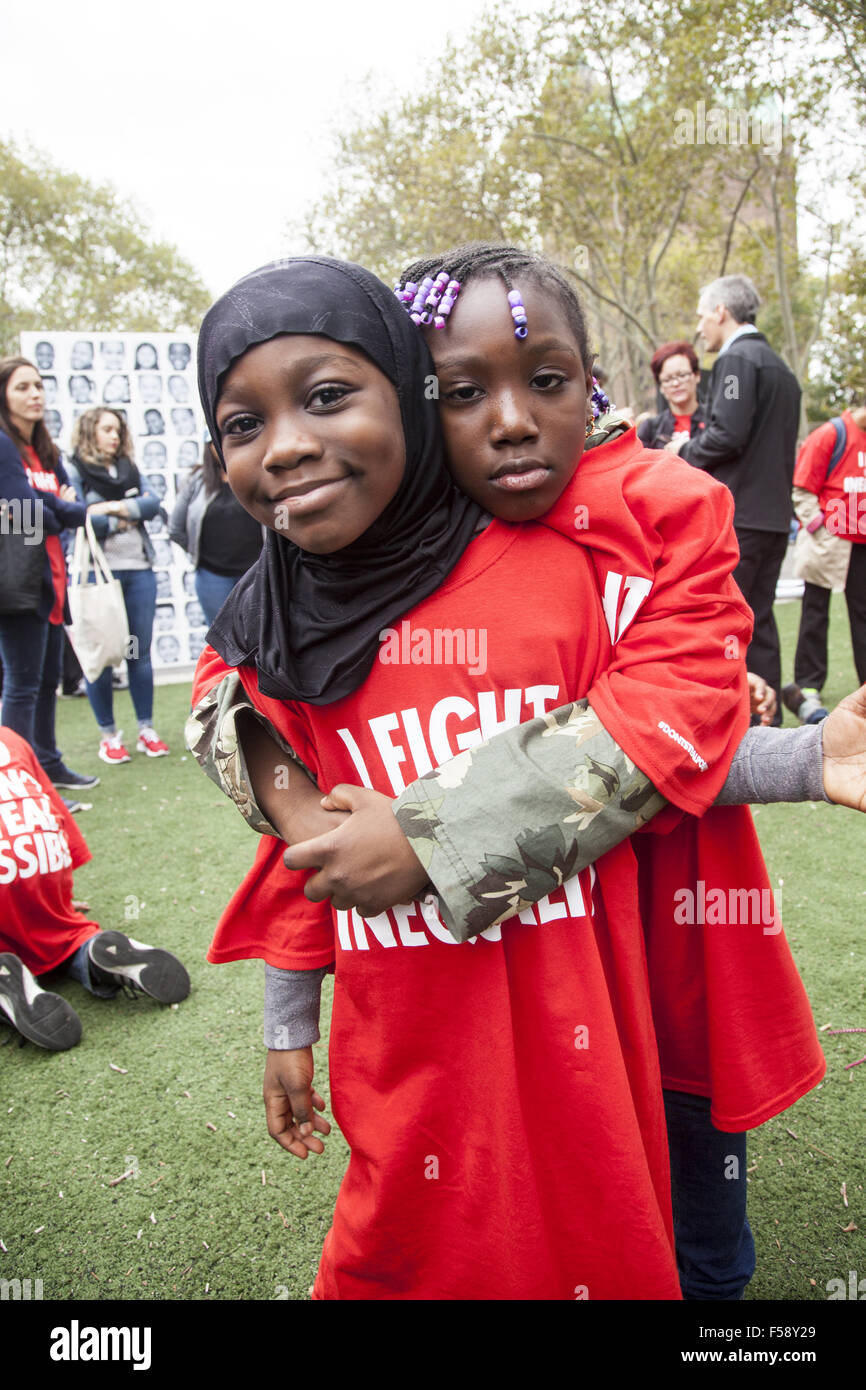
(292,1007)
(776,765)
(769,765)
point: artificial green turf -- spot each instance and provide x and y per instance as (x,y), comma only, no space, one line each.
(195,1220)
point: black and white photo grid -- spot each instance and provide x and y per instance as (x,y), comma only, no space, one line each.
(150,379)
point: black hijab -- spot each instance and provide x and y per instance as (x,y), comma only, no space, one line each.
(127,483)
(310,624)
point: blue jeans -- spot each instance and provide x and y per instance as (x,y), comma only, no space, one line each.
(139,595)
(212,590)
(78,967)
(714,1245)
(31,650)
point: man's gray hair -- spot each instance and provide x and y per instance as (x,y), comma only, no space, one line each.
(737,293)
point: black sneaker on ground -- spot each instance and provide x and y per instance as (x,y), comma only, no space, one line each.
(73,805)
(117,959)
(43,1018)
(73,781)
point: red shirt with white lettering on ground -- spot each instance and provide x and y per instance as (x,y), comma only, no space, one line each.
(45,480)
(501,1098)
(40,846)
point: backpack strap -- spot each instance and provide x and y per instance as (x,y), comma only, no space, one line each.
(839,447)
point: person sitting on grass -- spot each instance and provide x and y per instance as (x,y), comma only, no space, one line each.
(40,928)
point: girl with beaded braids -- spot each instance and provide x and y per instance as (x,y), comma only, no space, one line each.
(510,418)
(312,381)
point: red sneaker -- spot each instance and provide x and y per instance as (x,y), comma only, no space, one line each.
(111,749)
(151,744)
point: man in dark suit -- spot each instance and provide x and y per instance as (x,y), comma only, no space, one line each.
(750,445)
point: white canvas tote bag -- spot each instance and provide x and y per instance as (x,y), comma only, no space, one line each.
(100,630)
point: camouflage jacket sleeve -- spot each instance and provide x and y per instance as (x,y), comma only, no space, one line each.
(212,737)
(503,824)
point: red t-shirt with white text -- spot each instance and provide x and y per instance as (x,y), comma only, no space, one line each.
(45,480)
(40,846)
(501,1098)
(732,1017)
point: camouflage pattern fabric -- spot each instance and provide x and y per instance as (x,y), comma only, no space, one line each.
(211,736)
(572,794)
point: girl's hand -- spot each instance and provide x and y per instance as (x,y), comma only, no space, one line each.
(290,1102)
(102,509)
(366,863)
(677,441)
(67,493)
(762,697)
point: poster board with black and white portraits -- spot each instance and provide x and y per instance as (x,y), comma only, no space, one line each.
(150,378)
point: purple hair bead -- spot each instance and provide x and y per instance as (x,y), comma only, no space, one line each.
(431,301)
(518,313)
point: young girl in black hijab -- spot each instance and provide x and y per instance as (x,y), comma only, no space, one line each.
(466,1085)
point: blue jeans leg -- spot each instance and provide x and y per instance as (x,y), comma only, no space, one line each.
(22,651)
(139,592)
(44,740)
(139,595)
(714,1245)
(212,590)
(31,651)
(78,968)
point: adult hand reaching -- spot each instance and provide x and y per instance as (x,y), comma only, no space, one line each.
(844,737)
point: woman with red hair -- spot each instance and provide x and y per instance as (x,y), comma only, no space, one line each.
(677,373)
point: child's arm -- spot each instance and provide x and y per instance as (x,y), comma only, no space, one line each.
(292,1000)
(239,749)
(291,1103)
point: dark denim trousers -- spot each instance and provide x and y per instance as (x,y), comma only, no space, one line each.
(139,594)
(31,650)
(714,1245)
(212,590)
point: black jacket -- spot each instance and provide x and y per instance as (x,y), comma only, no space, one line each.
(56,514)
(656,432)
(750,442)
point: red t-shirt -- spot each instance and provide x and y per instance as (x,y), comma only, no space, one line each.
(682,424)
(841,495)
(501,1099)
(40,846)
(44,480)
(732,1018)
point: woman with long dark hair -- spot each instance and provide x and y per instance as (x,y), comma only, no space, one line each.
(120,500)
(31,642)
(222,540)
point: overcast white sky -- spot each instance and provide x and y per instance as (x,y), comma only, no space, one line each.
(214,115)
